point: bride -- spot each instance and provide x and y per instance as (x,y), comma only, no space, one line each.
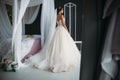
(62,54)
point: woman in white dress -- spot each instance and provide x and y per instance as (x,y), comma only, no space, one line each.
(63,53)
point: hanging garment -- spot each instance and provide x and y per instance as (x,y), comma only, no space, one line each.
(115,46)
(109,66)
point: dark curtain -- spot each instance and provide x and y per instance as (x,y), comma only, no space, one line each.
(93,34)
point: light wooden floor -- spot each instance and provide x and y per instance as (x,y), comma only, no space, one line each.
(35,74)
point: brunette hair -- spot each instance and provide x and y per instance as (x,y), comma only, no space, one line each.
(59,9)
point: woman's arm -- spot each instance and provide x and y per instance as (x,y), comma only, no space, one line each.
(63,23)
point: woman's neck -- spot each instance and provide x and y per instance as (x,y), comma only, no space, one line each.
(60,14)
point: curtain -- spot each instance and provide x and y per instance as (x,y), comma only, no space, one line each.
(5,25)
(17,31)
(30,16)
(5,32)
(46,19)
(31,3)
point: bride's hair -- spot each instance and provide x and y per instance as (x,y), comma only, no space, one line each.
(59,9)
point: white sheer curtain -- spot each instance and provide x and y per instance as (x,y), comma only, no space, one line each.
(31,3)
(5,25)
(17,31)
(109,66)
(5,32)
(48,23)
(30,16)
(46,19)
(23,7)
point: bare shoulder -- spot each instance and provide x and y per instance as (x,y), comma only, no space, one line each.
(58,17)
(62,17)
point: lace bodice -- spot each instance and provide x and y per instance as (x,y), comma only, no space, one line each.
(59,23)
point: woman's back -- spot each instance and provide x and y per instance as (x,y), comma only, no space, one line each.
(59,17)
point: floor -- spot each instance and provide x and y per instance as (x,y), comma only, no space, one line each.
(35,74)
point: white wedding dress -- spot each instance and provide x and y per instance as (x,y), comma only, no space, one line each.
(61,55)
